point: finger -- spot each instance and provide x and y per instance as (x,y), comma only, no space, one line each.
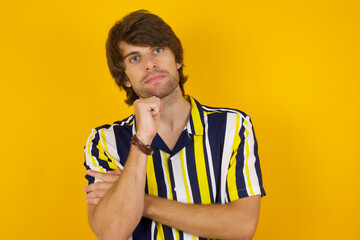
(151,106)
(94,201)
(155,108)
(115,172)
(96,194)
(102,176)
(98,185)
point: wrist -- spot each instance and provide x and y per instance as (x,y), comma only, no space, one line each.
(144,139)
(146,149)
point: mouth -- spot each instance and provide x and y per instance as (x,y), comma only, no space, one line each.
(154,78)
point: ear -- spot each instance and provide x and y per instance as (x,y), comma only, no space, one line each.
(127,83)
(178,65)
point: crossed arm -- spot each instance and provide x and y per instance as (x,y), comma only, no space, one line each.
(117,214)
(116,205)
(234,220)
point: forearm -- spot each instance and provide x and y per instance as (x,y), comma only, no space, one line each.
(119,212)
(221,221)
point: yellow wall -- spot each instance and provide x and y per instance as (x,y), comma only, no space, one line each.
(293,66)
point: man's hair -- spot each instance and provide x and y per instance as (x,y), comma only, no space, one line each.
(140,28)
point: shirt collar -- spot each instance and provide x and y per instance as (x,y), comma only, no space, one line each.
(195,123)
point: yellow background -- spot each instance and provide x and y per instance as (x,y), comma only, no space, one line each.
(293,66)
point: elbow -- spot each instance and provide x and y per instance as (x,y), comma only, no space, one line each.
(245,236)
(245,233)
(98,231)
(111,236)
(111,232)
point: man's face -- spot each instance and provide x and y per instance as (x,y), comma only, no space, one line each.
(152,71)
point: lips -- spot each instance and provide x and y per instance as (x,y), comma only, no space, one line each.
(154,78)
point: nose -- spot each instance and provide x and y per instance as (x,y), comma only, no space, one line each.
(150,63)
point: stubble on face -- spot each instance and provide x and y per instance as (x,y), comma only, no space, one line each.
(165,66)
(161,89)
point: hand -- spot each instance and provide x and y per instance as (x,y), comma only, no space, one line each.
(96,191)
(147,112)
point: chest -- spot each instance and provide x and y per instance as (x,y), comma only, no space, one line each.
(170,137)
(191,175)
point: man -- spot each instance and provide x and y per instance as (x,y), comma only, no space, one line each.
(174,169)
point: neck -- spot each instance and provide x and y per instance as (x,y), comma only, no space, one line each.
(176,111)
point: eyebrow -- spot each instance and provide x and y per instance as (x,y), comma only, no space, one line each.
(131,53)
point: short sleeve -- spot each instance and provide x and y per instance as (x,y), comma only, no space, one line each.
(244,174)
(100,153)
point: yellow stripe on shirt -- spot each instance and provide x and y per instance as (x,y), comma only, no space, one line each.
(166,163)
(188,199)
(198,126)
(199,154)
(201,170)
(95,163)
(150,177)
(206,112)
(247,160)
(100,147)
(153,190)
(112,163)
(231,177)
(131,123)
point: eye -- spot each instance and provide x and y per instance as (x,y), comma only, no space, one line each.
(158,50)
(134,59)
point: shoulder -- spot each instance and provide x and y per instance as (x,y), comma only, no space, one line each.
(123,125)
(227,119)
(221,117)
(223,111)
(224,114)
(112,132)
(217,111)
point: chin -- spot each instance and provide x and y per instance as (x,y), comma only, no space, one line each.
(163,93)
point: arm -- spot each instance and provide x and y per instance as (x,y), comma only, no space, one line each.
(119,211)
(117,221)
(234,220)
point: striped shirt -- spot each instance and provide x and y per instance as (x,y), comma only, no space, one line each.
(215,160)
